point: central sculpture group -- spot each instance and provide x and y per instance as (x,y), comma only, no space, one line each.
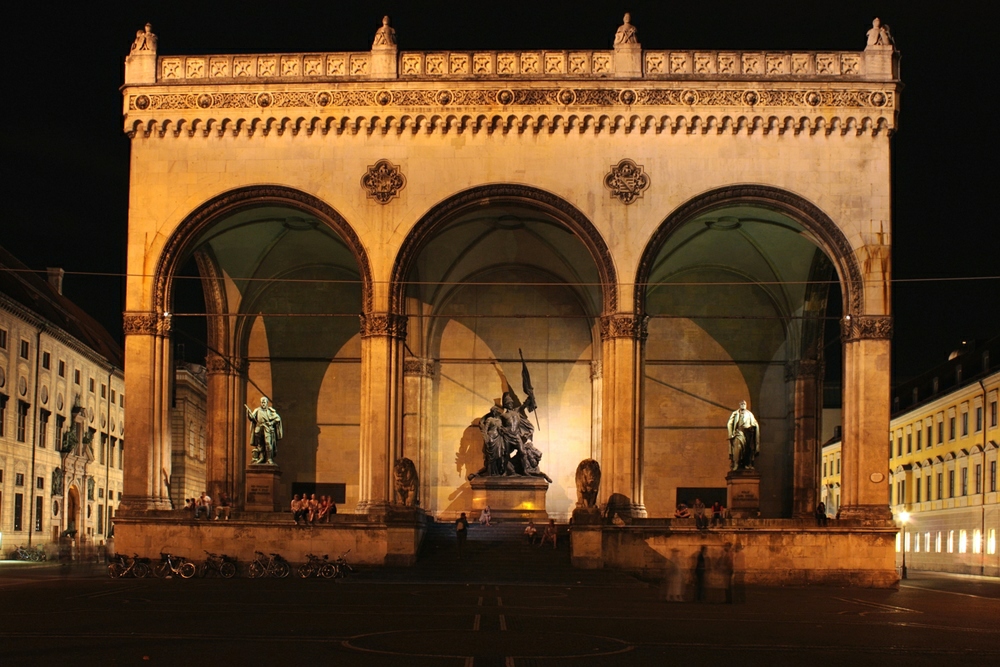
(508,436)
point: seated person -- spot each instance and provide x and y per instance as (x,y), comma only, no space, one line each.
(485,516)
(549,534)
(530,532)
(682,512)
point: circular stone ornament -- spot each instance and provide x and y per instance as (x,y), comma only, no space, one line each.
(876,477)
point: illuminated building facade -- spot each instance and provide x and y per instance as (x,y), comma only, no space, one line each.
(62,414)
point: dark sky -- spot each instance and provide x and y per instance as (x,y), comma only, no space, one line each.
(65,156)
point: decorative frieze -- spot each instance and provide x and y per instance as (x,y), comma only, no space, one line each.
(145,324)
(383,324)
(623,325)
(866,327)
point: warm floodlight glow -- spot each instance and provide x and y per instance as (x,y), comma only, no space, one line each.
(904,516)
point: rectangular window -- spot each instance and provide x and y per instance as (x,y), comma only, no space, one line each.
(100,492)
(940,435)
(963,541)
(22,421)
(951,428)
(60,425)
(91,385)
(121,454)
(838,466)
(121,400)
(76,377)
(3,339)
(927,485)
(917,491)
(927,542)
(909,443)
(977,541)
(937,542)
(929,433)
(940,486)
(916,542)
(979,478)
(113,398)
(965,424)
(906,542)
(3,413)
(100,518)
(19,479)
(965,481)
(993,414)
(25,349)
(951,541)
(991,542)
(104,446)
(46,360)
(899,447)
(993,476)
(979,419)
(18,511)
(62,368)
(38,514)
(951,483)
(40,483)
(104,391)
(43,428)
(919,438)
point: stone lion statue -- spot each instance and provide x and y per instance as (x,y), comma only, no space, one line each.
(404,476)
(588,483)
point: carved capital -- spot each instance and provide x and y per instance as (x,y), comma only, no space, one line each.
(383,324)
(418,367)
(140,324)
(596,370)
(622,325)
(866,327)
(219,365)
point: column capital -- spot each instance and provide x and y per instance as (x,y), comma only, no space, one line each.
(218,365)
(418,367)
(391,325)
(139,323)
(624,325)
(866,327)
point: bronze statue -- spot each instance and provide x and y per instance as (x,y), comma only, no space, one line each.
(508,434)
(744,438)
(267,431)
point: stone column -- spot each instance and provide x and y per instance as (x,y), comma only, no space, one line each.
(147,385)
(806,405)
(382,337)
(864,472)
(596,410)
(226,428)
(622,336)
(418,376)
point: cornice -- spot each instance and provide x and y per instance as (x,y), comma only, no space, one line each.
(505,107)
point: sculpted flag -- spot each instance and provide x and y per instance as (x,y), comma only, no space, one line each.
(529,402)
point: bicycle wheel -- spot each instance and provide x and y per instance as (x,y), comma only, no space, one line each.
(186,570)
(281,569)
(162,569)
(305,570)
(115,570)
(328,571)
(203,569)
(256,570)
(140,570)
(227,570)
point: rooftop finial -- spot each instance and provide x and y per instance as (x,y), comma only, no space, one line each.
(145,41)
(626,33)
(386,35)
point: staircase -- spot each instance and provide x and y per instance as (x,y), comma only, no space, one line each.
(497,554)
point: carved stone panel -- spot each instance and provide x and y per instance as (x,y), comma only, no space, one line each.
(623,325)
(626,181)
(866,327)
(383,324)
(383,181)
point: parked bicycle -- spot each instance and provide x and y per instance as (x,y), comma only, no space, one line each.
(170,565)
(341,566)
(218,564)
(123,566)
(317,567)
(262,566)
(34,554)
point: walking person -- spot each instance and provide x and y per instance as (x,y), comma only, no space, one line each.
(700,566)
(461,532)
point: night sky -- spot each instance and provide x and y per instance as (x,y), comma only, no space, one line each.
(66,159)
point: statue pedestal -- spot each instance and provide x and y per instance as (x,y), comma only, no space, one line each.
(510,497)
(262,488)
(744,494)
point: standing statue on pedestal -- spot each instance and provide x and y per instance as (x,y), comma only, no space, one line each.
(744,438)
(508,434)
(267,431)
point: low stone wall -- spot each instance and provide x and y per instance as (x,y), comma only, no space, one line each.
(393,540)
(764,552)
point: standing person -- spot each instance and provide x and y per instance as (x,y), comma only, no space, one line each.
(461,532)
(821,514)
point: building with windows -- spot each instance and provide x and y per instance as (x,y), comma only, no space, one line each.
(942,465)
(187,431)
(62,414)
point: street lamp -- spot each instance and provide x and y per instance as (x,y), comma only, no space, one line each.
(903,518)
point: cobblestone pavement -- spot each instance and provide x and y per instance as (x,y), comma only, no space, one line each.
(50,617)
